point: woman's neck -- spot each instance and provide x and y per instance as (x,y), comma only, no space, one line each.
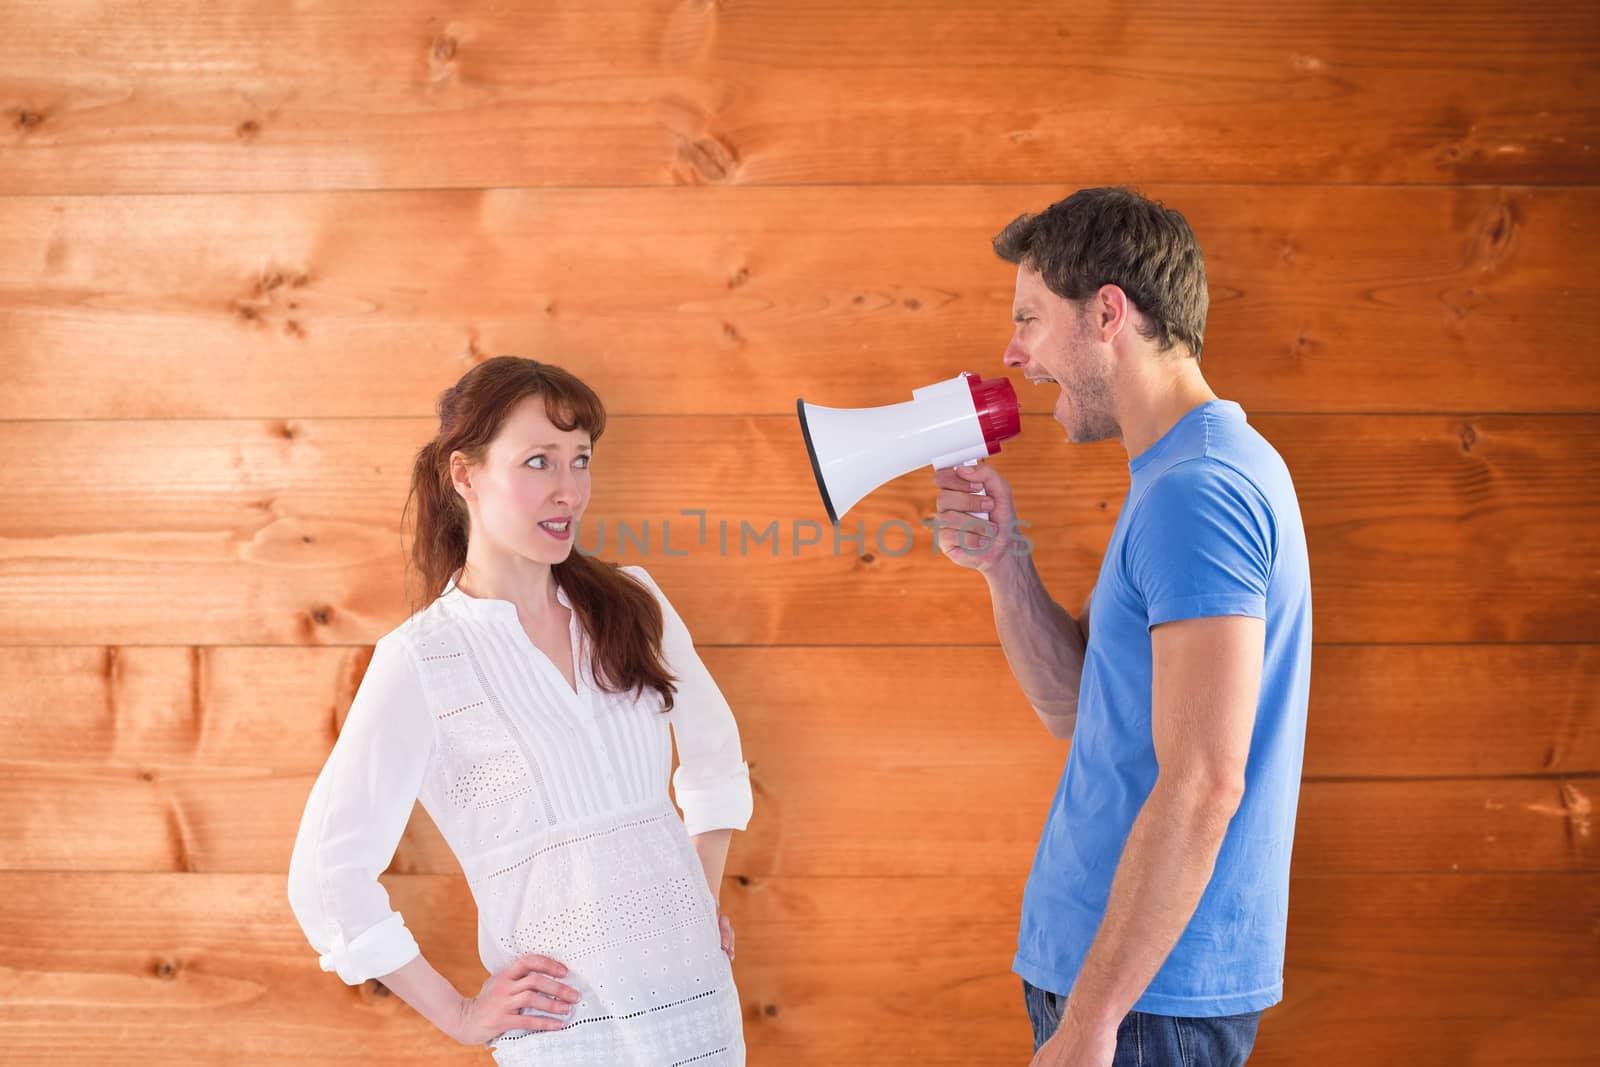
(531,586)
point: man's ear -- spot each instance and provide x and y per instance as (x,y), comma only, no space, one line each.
(1111,310)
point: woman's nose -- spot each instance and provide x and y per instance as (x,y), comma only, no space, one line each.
(566,490)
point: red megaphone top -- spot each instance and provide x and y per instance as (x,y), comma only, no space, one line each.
(998,412)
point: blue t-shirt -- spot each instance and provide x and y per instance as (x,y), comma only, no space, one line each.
(1210,526)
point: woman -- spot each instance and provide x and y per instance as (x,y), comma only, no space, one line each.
(527,706)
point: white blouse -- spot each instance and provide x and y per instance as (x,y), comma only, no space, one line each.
(555,803)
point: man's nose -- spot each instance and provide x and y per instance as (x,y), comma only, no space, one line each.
(1014,356)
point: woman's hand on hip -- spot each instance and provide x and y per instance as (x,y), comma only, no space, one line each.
(526,982)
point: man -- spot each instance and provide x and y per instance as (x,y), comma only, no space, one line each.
(1153,920)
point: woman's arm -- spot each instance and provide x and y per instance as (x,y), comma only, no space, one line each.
(354,817)
(712,782)
(430,993)
(713,849)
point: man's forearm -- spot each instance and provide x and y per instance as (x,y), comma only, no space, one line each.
(428,991)
(712,847)
(1165,867)
(1042,642)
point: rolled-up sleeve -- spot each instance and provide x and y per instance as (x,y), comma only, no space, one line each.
(357,810)
(712,782)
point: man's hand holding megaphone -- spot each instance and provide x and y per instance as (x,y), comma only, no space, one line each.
(969,541)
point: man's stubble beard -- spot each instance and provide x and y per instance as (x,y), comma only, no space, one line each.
(1091,401)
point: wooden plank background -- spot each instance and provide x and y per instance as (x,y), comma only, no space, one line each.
(244,246)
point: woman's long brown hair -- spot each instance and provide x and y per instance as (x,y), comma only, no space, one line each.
(619,615)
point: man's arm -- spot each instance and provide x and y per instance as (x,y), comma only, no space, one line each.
(1206,680)
(1043,644)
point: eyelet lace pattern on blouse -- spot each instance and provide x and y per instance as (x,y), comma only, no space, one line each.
(555,803)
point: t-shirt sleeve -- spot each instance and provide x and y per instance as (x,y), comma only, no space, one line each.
(1201,543)
(353,820)
(712,782)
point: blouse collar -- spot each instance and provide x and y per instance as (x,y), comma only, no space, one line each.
(482,606)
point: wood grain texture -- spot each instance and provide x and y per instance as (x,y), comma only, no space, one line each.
(1482,969)
(1421,529)
(845,785)
(201,759)
(1380,711)
(867,816)
(736,301)
(244,246)
(174,98)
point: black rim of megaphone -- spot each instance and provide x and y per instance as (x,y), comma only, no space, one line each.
(816,469)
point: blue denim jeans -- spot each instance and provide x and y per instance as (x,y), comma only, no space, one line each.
(1145,1040)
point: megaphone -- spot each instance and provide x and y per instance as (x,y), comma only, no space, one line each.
(948,423)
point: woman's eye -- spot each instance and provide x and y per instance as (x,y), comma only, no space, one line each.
(582,462)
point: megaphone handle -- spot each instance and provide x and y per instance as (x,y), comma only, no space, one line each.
(980,491)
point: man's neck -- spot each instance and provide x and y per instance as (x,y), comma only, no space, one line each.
(1153,405)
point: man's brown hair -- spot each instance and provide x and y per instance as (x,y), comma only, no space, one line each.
(1114,236)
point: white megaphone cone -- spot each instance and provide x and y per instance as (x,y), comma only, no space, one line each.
(855,450)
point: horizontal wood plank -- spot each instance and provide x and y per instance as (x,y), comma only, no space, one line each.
(837,802)
(1487,969)
(1421,529)
(736,301)
(175,98)
(1383,711)
(161,759)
